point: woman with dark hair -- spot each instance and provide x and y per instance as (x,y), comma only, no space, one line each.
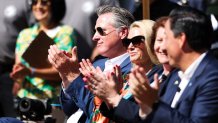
(39,82)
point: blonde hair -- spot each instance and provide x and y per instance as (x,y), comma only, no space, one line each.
(146,27)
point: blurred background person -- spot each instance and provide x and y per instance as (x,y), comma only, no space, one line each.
(158,8)
(14,16)
(41,83)
(197,4)
(212,10)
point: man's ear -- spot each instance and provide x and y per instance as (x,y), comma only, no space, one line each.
(123,32)
(182,40)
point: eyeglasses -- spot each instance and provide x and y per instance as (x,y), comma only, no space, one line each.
(135,41)
(43,2)
(101,31)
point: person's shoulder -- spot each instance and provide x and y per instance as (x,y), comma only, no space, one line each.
(156,69)
(99,59)
(66,29)
(208,68)
(212,60)
(29,30)
(26,31)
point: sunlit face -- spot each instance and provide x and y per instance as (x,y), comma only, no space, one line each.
(159,49)
(138,53)
(108,43)
(172,46)
(42,10)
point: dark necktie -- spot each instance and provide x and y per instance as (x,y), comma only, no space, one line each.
(163,78)
(163,84)
(169,87)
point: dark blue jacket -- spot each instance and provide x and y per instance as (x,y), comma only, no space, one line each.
(81,97)
(199,101)
(127,111)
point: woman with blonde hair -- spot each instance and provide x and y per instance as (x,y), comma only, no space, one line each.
(141,31)
(137,44)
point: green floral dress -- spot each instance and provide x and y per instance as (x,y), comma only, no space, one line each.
(34,87)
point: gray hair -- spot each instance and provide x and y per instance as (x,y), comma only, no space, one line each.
(122,17)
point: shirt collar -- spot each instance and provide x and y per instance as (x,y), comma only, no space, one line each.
(115,61)
(119,59)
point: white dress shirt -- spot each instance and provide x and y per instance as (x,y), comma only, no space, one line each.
(185,78)
(109,64)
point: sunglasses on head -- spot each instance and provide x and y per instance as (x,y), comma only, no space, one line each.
(135,41)
(101,31)
(43,2)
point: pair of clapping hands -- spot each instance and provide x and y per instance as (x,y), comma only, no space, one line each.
(107,85)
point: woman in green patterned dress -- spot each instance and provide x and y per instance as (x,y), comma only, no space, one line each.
(41,83)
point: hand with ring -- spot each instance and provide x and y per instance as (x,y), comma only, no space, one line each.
(103,86)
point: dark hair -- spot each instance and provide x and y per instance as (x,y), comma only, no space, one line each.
(160,22)
(58,9)
(122,17)
(194,24)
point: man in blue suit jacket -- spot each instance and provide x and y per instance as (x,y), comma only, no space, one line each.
(188,34)
(111,28)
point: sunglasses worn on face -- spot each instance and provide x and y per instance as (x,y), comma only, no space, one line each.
(101,31)
(43,2)
(135,41)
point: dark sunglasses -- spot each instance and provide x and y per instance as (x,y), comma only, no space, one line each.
(135,41)
(101,31)
(43,2)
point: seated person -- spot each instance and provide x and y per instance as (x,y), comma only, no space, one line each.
(41,83)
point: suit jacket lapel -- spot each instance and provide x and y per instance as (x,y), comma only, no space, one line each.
(194,78)
(126,65)
(100,63)
(169,86)
(171,91)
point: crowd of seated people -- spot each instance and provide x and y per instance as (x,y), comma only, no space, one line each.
(153,71)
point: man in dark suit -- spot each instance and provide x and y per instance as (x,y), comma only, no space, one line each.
(111,28)
(188,40)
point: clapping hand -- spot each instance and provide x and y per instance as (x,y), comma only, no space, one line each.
(105,86)
(144,94)
(65,63)
(19,72)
